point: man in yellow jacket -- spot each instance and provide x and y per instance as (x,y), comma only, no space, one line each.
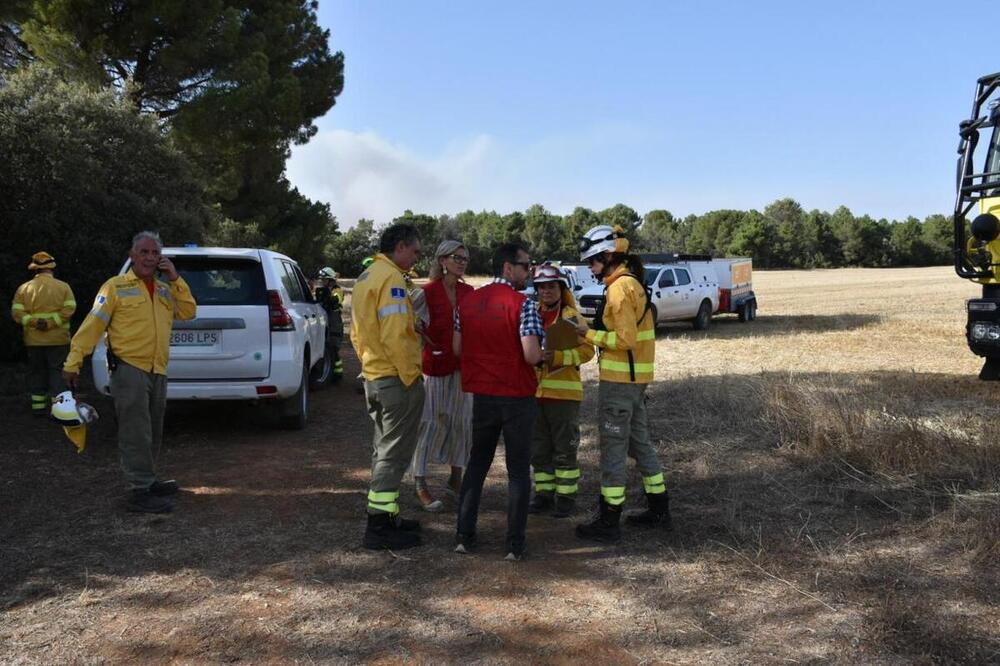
(43,307)
(385,337)
(556,436)
(625,333)
(137,310)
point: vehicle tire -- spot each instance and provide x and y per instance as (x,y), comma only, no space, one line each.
(322,373)
(294,411)
(751,310)
(704,316)
(744,312)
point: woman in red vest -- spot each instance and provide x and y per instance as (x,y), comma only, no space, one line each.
(445,427)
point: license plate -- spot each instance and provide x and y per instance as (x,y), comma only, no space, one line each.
(194,338)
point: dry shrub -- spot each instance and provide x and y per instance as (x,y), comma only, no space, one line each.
(882,427)
(912,626)
(975,519)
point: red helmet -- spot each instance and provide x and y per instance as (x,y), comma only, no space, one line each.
(549,273)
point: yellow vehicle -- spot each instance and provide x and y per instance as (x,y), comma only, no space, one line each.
(977,246)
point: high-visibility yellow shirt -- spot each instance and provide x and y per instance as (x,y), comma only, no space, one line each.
(44,297)
(562,380)
(382,323)
(625,304)
(138,326)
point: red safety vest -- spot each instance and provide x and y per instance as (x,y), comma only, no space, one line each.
(492,358)
(439,360)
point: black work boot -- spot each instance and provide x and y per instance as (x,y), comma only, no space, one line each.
(565,505)
(164,488)
(405,524)
(541,502)
(143,501)
(605,527)
(382,534)
(657,515)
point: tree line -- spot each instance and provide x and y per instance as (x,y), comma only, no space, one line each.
(783,235)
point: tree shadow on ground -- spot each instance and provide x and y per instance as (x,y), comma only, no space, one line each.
(765,325)
(763,541)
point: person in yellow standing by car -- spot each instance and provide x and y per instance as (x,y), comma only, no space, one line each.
(557,426)
(137,310)
(385,337)
(43,307)
(625,333)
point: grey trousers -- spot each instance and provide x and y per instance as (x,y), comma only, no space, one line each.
(624,433)
(140,401)
(395,410)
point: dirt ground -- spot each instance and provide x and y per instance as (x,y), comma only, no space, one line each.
(775,557)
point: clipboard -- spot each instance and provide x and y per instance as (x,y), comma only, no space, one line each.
(561,335)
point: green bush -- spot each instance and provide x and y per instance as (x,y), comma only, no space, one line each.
(81,173)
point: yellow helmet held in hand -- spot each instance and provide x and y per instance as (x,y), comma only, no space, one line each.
(74,417)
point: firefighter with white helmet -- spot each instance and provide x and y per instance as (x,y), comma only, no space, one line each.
(135,312)
(556,435)
(625,334)
(331,296)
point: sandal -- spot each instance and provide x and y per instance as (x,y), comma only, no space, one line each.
(427,502)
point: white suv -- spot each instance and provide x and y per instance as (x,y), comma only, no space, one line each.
(258,334)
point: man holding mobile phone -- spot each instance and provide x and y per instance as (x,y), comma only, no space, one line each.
(137,310)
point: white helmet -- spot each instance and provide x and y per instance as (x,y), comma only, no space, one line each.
(602,238)
(74,417)
(548,273)
(327,273)
(69,412)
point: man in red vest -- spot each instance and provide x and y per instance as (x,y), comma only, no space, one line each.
(501,341)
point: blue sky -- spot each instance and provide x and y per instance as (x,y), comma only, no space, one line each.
(686,106)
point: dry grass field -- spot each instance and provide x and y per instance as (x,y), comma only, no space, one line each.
(835,474)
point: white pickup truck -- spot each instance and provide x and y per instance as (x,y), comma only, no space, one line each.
(689,288)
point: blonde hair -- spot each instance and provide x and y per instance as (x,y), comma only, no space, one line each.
(445,248)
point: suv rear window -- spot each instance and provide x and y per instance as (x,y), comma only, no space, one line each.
(223,281)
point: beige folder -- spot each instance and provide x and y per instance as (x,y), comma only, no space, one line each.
(561,335)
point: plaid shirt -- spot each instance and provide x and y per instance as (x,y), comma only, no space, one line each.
(530,323)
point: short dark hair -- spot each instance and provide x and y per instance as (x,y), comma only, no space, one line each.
(393,235)
(506,254)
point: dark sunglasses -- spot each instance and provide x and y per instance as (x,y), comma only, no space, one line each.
(596,259)
(458,258)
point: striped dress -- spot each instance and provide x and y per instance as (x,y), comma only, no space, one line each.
(445,433)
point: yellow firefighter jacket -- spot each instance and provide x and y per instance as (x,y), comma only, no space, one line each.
(628,346)
(44,297)
(382,324)
(138,326)
(562,380)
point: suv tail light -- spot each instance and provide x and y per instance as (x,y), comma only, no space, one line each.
(280,319)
